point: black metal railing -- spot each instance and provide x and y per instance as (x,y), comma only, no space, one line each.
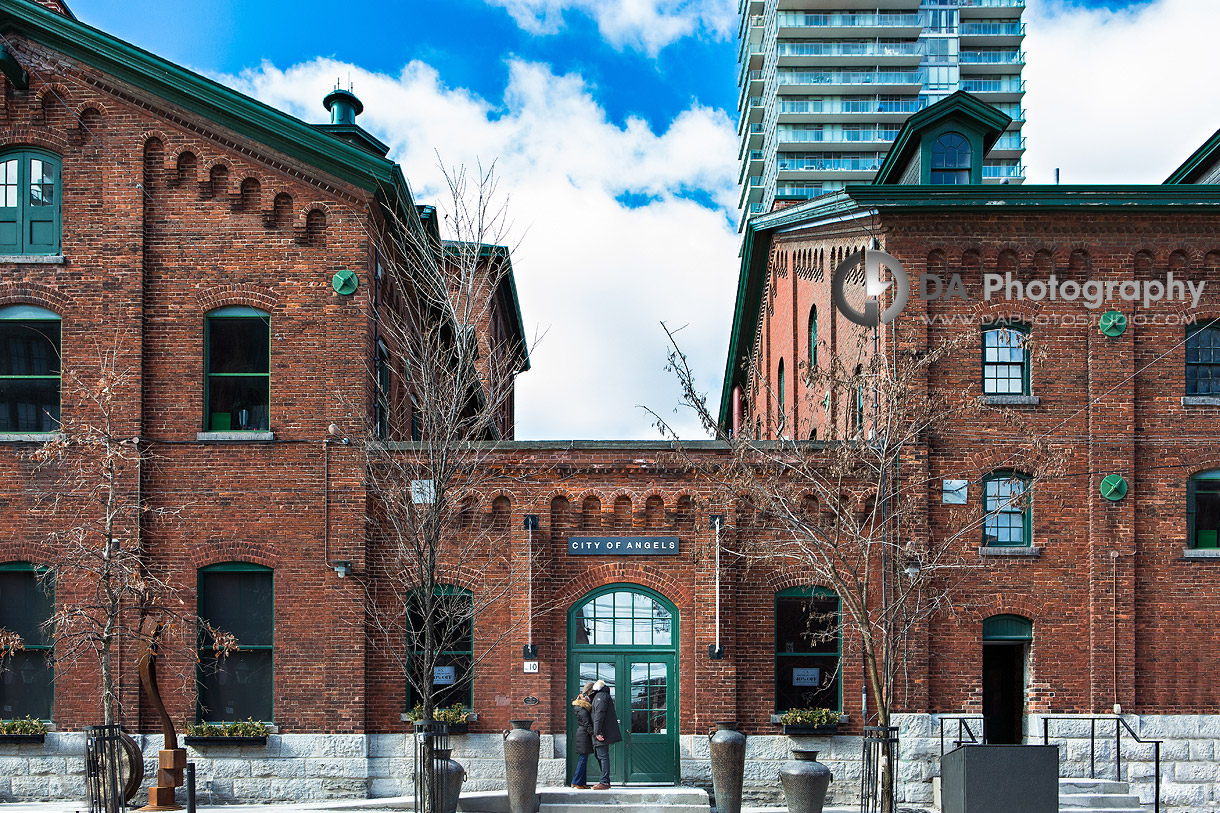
(104,781)
(965,734)
(431,737)
(1120,726)
(880,766)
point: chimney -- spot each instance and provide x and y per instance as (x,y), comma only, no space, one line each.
(343,106)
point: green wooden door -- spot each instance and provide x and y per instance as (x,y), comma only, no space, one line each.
(627,636)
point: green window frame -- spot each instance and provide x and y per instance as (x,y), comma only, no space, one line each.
(1203,358)
(29,370)
(623,616)
(951,158)
(780,387)
(797,647)
(27,602)
(1005,360)
(813,339)
(459,657)
(238,598)
(1008,510)
(1203,510)
(30,194)
(237,370)
(1008,628)
(382,417)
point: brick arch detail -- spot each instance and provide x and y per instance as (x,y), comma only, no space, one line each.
(304,209)
(1019,310)
(32,552)
(677,593)
(257,553)
(64,97)
(31,293)
(24,136)
(215,297)
(92,104)
(792,575)
(1002,605)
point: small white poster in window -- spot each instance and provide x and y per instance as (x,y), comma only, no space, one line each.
(443,675)
(423,492)
(807,677)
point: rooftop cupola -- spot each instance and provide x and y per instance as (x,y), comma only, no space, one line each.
(344,107)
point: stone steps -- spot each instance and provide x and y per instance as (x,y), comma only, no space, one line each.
(1097,796)
(616,800)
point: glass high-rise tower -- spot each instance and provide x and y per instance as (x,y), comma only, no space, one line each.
(826,84)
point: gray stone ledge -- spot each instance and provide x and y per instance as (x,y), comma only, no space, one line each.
(1204,553)
(1011,400)
(33,259)
(1019,552)
(27,437)
(1201,400)
(235,437)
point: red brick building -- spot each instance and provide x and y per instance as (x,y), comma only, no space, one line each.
(228,255)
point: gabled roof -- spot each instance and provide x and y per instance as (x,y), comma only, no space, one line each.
(1198,163)
(506,289)
(224,106)
(960,105)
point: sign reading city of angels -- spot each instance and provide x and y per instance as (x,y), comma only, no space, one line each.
(623,545)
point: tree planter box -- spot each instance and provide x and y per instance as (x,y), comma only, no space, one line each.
(458,728)
(811,730)
(197,741)
(22,739)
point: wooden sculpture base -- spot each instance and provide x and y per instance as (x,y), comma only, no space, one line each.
(170,763)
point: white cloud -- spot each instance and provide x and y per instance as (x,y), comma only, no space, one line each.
(646,25)
(597,275)
(1119,96)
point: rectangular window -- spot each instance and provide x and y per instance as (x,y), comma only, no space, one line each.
(25,675)
(1203,510)
(238,392)
(383,391)
(1203,359)
(453,637)
(808,649)
(29,203)
(1008,517)
(29,369)
(1005,362)
(237,598)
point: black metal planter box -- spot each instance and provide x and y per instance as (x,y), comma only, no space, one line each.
(797,730)
(458,728)
(1000,779)
(196,741)
(22,739)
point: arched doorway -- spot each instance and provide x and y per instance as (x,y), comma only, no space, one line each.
(1006,642)
(627,635)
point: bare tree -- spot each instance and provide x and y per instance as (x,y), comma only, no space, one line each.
(442,551)
(851,511)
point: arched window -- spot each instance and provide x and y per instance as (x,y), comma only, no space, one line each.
(1009,516)
(813,339)
(623,618)
(857,416)
(237,598)
(25,676)
(808,649)
(779,390)
(448,667)
(1203,358)
(1005,360)
(237,396)
(951,159)
(1203,509)
(29,202)
(29,369)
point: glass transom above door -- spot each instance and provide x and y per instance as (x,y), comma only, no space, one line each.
(623,618)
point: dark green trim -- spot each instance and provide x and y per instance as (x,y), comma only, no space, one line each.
(1027,511)
(206,651)
(1015,327)
(236,567)
(1008,628)
(22,567)
(961,107)
(231,312)
(445,590)
(28,313)
(190,91)
(13,69)
(837,652)
(1201,159)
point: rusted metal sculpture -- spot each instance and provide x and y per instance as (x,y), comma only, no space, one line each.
(171,760)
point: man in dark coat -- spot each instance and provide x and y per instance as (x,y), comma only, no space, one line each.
(605,730)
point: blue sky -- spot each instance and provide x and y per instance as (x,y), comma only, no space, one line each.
(612,124)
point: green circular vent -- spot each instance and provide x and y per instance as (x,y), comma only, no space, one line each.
(1112,324)
(345,282)
(1113,487)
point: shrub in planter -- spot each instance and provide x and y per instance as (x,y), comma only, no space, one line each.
(248,730)
(810,721)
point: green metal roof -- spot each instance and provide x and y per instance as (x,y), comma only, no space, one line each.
(1202,158)
(960,105)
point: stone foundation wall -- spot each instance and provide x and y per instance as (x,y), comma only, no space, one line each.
(313,767)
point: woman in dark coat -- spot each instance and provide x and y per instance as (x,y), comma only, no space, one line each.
(582,737)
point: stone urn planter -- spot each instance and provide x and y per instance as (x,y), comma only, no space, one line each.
(449,778)
(805,781)
(728,750)
(521,747)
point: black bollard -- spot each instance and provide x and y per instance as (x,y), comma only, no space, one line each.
(190,787)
